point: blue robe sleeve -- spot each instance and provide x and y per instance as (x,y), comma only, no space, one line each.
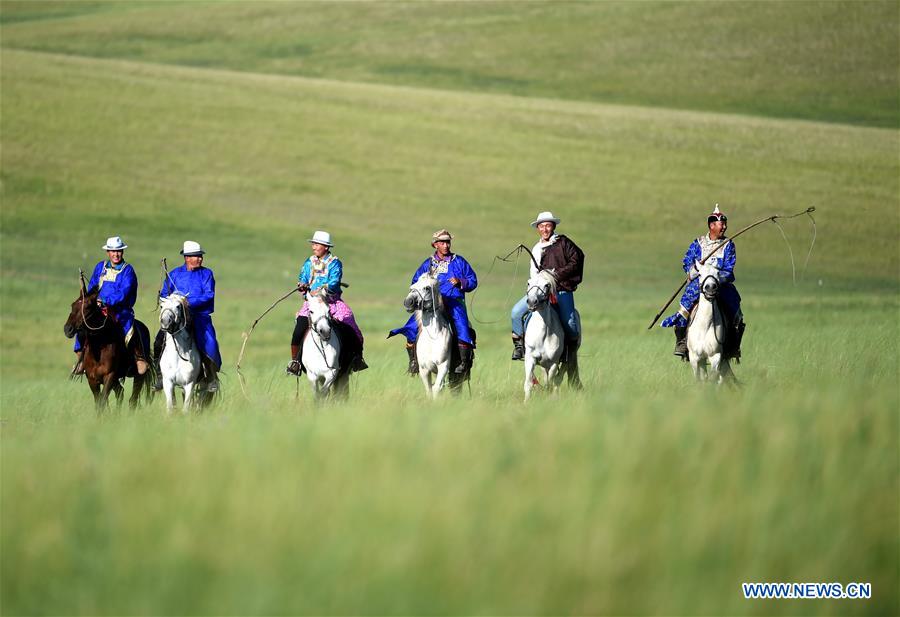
(202,295)
(335,272)
(693,254)
(466,275)
(425,267)
(305,273)
(116,294)
(95,277)
(726,264)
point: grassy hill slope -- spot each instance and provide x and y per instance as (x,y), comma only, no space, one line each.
(642,494)
(833,61)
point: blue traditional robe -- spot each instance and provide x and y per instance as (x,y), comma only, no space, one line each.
(453,266)
(118,291)
(199,286)
(725,259)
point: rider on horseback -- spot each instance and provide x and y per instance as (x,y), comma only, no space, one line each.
(557,254)
(118,287)
(321,273)
(456,278)
(725,258)
(198,285)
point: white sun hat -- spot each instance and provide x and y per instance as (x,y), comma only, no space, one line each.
(191,249)
(321,237)
(545,217)
(114,243)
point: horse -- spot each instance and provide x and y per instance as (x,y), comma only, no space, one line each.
(545,336)
(322,351)
(707,329)
(434,344)
(180,359)
(106,360)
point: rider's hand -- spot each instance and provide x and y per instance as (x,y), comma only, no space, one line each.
(303,287)
(455,282)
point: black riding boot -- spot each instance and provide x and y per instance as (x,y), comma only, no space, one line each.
(209,373)
(296,365)
(465,359)
(518,347)
(681,342)
(413,368)
(78,369)
(295,368)
(159,343)
(738,334)
(359,364)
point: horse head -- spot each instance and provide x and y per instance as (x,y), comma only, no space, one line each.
(174,314)
(709,279)
(424,295)
(541,287)
(84,310)
(319,315)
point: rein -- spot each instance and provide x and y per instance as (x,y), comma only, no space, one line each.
(178,331)
(320,345)
(84,318)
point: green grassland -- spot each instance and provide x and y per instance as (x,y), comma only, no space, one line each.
(642,494)
(828,61)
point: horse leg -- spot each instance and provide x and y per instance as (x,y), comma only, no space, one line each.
(190,394)
(554,377)
(529,375)
(169,390)
(95,390)
(714,362)
(425,375)
(443,369)
(136,387)
(695,366)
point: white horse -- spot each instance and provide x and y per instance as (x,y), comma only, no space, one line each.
(180,361)
(433,345)
(322,350)
(544,334)
(706,332)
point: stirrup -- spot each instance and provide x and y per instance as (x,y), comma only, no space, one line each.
(294,368)
(77,371)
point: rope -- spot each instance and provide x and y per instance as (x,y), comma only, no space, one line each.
(518,251)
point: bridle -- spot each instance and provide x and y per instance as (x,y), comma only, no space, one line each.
(168,329)
(318,341)
(711,298)
(715,288)
(84,317)
(424,297)
(542,296)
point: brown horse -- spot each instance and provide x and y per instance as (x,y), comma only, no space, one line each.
(106,359)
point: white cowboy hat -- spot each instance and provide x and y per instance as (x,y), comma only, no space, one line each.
(545,217)
(191,249)
(114,243)
(321,237)
(441,236)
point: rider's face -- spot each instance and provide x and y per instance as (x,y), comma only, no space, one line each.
(318,249)
(193,261)
(545,229)
(442,247)
(717,229)
(115,257)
